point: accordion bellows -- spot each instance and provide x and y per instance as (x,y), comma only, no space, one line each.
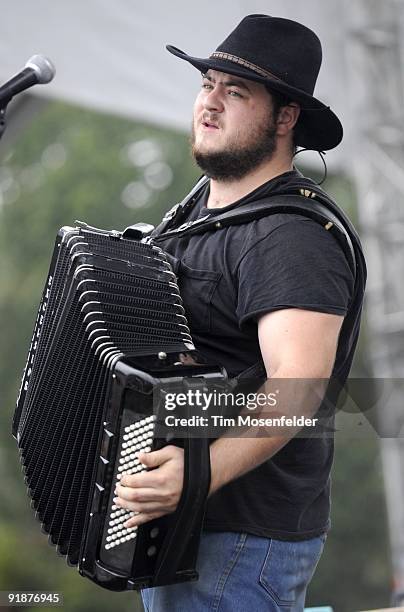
(110,325)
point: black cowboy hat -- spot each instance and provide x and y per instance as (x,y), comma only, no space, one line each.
(286,57)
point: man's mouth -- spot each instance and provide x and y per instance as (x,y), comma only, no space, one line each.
(210,125)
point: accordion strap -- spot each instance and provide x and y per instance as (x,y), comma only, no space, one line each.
(189,515)
(173,217)
(305,199)
(279,203)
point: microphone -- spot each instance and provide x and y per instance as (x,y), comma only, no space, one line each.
(37,70)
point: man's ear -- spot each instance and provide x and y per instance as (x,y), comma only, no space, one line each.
(287,118)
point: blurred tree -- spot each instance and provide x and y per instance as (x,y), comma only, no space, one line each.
(74,164)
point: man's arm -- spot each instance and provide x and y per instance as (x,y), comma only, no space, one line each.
(295,344)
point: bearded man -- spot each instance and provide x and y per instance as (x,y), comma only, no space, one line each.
(276,289)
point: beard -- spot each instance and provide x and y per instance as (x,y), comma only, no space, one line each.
(237,159)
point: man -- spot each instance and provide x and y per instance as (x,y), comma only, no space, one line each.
(279,289)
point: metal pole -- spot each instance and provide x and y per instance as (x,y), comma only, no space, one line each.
(375,60)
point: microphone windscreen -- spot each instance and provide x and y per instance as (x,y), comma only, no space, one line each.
(43,67)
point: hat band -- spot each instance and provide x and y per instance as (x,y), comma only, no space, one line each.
(245,63)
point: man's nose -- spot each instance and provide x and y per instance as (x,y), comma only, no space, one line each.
(213,101)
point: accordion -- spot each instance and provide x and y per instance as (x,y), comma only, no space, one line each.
(110,329)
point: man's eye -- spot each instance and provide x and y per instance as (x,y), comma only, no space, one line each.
(235,94)
(206,86)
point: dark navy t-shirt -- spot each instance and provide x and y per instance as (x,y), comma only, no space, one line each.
(228,279)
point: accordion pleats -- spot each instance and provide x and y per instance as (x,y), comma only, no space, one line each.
(105,297)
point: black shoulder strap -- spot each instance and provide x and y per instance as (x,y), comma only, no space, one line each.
(279,203)
(174,216)
(310,202)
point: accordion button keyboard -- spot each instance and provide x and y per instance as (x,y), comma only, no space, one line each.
(136,437)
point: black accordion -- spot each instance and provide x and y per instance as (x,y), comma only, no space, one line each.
(110,328)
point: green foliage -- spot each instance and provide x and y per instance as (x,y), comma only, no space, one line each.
(87,186)
(27,563)
(82,176)
(74,164)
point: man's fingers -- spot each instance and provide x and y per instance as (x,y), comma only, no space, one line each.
(140,519)
(155,491)
(146,507)
(138,494)
(142,480)
(158,457)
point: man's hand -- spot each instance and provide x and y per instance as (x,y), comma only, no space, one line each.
(156,492)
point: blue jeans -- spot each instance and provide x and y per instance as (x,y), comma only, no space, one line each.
(239,572)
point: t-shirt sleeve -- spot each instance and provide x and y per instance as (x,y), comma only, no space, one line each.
(299,264)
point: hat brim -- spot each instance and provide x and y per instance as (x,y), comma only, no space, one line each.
(318,127)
